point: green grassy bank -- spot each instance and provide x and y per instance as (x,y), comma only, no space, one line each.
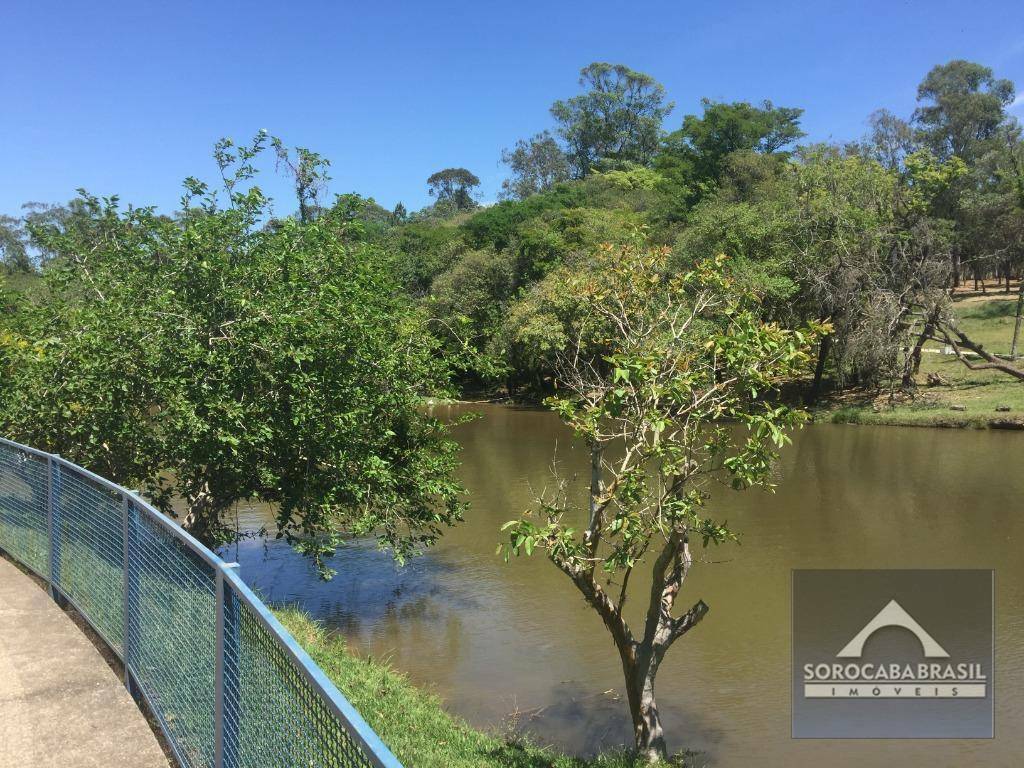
(962,398)
(413,723)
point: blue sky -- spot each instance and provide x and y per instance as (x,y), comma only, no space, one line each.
(128,98)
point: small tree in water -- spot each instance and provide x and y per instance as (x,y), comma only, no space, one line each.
(663,376)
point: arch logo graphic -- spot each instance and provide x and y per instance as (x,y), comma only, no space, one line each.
(892,654)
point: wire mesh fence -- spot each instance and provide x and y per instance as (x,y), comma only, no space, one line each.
(229,687)
(23,506)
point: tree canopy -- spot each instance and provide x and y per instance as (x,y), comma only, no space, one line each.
(454,187)
(214,360)
(537,165)
(617,118)
(727,128)
(961,106)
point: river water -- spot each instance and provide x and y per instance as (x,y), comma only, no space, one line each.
(513,646)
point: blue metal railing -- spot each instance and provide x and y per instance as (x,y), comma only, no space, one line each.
(228,685)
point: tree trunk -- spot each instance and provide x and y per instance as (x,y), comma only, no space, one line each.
(991,361)
(824,346)
(201,517)
(915,356)
(1017,322)
(648,734)
(641,659)
(596,480)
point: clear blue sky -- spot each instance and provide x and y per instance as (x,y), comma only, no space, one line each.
(128,98)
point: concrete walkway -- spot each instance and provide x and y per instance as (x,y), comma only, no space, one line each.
(61,705)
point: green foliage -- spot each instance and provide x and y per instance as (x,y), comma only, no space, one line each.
(534,329)
(453,187)
(727,128)
(14,254)
(817,232)
(467,303)
(216,360)
(656,364)
(756,234)
(617,118)
(928,179)
(891,139)
(496,226)
(631,178)
(536,165)
(865,234)
(424,250)
(550,240)
(962,106)
(307,169)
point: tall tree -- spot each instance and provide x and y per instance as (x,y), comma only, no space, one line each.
(307,169)
(962,108)
(890,139)
(14,255)
(536,164)
(962,104)
(454,187)
(618,117)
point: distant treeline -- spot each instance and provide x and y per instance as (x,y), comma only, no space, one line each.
(871,235)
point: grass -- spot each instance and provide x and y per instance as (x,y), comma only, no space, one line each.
(966,398)
(989,320)
(413,722)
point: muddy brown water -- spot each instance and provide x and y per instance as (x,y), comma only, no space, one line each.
(514,647)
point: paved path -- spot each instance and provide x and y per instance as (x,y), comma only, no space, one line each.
(61,705)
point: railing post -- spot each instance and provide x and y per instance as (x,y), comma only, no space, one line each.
(228,642)
(49,520)
(128,585)
(53,524)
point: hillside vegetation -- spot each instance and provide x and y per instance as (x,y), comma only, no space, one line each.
(877,236)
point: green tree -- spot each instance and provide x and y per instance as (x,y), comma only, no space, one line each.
(617,118)
(751,220)
(72,217)
(890,139)
(454,187)
(962,105)
(423,250)
(307,169)
(725,128)
(656,370)
(873,258)
(537,165)
(467,303)
(216,360)
(14,254)
(497,225)
(961,112)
